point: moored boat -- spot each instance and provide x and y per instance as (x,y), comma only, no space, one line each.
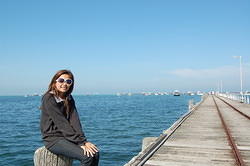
(176,93)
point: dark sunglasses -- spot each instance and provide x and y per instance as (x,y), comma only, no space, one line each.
(62,80)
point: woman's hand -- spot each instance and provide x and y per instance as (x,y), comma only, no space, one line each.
(89,149)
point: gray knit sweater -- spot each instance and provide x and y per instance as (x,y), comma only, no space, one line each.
(55,124)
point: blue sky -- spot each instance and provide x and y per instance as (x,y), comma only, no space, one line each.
(124,45)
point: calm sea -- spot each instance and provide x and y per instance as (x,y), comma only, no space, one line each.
(117,124)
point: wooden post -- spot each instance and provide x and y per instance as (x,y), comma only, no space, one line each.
(44,157)
(190,104)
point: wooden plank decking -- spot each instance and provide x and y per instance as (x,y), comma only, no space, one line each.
(202,141)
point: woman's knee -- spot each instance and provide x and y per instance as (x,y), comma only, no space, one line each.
(90,160)
(96,156)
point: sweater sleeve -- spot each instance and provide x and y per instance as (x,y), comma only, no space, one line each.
(61,122)
(76,123)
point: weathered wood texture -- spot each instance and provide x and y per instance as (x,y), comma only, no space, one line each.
(44,157)
(201,140)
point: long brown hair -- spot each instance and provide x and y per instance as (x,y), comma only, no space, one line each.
(66,95)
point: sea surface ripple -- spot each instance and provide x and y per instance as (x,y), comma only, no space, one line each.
(116,124)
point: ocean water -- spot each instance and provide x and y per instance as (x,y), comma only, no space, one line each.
(116,124)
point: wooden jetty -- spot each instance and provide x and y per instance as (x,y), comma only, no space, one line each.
(214,133)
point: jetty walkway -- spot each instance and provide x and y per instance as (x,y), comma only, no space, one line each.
(214,133)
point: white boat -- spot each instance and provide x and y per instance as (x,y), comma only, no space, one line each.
(247,93)
(190,93)
(199,93)
(176,93)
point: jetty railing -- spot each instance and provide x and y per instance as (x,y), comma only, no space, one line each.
(237,97)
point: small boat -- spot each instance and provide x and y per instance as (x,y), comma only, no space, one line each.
(199,93)
(190,93)
(247,93)
(176,93)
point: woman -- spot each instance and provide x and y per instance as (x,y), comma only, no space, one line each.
(60,125)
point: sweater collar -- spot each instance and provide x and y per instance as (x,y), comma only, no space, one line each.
(58,99)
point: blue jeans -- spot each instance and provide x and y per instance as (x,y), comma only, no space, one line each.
(71,150)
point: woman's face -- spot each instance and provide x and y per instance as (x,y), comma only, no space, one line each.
(63,83)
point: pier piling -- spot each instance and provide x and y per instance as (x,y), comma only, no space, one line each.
(44,157)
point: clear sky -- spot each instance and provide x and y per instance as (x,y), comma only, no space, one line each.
(124,45)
